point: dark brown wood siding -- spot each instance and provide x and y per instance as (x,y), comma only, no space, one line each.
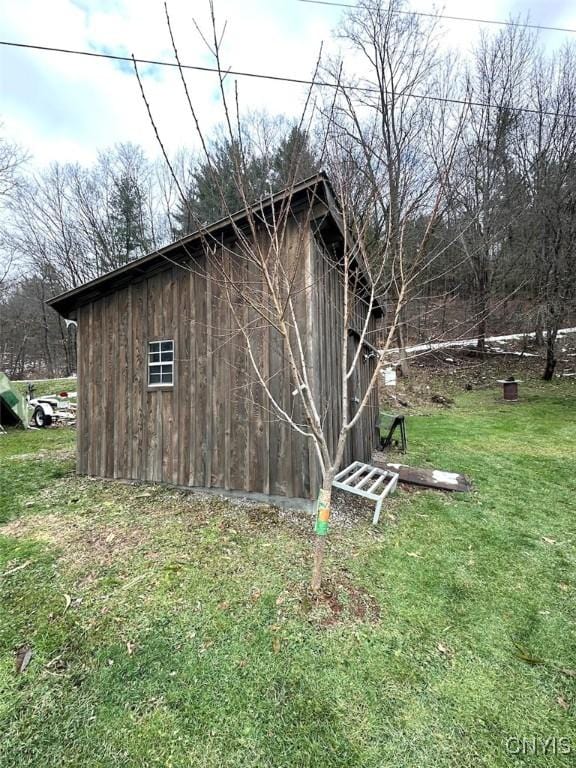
(328,307)
(214,428)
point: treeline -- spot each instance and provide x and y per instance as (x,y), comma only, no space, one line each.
(67,224)
(473,191)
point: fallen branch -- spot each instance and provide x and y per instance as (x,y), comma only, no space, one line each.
(14,570)
(133,581)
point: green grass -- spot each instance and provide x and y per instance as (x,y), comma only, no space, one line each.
(189,639)
(30,461)
(47,386)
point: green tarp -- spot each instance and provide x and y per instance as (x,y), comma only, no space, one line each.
(13,408)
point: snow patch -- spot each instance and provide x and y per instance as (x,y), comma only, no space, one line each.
(471,342)
(450,478)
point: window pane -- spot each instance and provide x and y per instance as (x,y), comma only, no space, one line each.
(161,362)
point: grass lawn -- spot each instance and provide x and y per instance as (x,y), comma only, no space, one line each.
(47,386)
(176,630)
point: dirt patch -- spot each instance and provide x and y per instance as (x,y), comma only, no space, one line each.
(263,515)
(80,540)
(338,602)
(94,523)
(62,454)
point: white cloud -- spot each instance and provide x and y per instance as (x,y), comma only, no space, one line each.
(67,107)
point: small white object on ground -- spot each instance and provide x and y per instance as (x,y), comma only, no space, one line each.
(451,478)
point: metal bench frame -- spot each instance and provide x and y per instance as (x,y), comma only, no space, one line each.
(356,476)
(389,423)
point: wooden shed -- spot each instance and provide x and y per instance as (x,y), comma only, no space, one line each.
(166,391)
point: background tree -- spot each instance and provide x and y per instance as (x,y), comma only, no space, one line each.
(12,158)
(399,54)
(272,154)
(546,233)
(486,188)
(63,226)
(126,173)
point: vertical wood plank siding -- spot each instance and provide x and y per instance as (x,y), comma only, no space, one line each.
(328,309)
(214,427)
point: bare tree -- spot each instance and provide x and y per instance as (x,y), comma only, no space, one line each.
(546,150)
(383,113)
(486,187)
(66,225)
(263,289)
(12,158)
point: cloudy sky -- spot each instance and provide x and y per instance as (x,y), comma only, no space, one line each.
(63,107)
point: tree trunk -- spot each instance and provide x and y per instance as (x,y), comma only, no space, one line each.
(46,339)
(481,334)
(481,314)
(401,341)
(319,547)
(69,341)
(321,528)
(551,361)
(539,331)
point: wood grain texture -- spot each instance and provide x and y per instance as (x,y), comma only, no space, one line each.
(215,427)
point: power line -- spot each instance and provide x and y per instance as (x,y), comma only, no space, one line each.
(279,78)
(158,63)
(540,27)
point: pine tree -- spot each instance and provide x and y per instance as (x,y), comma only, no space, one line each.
(214,188)
(294,159)
(127,217)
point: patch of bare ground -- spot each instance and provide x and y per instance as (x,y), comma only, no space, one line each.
(349,510)
(339,602)
(82,541)
(95,523)
(61,454)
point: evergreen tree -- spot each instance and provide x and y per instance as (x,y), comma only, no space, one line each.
(294,159)
(126,169)
(127,219)
(214,187)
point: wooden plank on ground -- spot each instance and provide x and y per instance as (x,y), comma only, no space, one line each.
(428,478)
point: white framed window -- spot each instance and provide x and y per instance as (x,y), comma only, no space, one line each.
(161,363)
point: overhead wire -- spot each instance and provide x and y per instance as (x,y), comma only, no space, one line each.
(430,15)
(278,78)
